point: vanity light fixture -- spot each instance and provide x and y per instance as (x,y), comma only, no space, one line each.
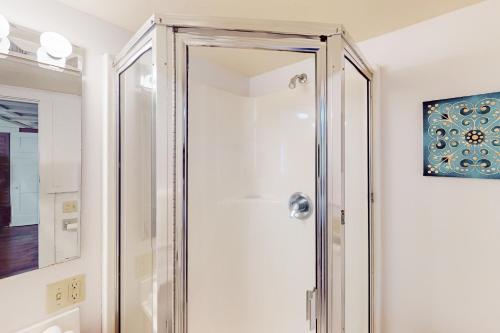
(56,45)
(4,27)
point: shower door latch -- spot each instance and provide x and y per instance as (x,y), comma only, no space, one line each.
(311,308)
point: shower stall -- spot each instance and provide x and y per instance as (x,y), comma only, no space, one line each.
(243,192)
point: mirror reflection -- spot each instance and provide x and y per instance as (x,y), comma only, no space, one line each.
(40,157)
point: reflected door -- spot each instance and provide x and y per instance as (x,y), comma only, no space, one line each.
(5,207)
(251,250)
(24,178)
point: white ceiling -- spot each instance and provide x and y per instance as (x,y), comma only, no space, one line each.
(363,18)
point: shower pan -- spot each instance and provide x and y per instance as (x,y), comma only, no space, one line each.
(242,179)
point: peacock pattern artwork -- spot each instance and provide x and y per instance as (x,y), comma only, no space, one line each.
(462,137)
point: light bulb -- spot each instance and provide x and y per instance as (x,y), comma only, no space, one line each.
(45,59)
(4,27)
(56,45)
(4,45)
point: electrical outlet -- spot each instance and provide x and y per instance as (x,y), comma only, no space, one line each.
(76,289)
(65,293)
(75,283)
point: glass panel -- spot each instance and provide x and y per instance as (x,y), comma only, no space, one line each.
(251,145)
(357,279)
(136,266)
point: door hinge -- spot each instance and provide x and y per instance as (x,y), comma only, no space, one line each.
(372,197)
(342,217)
(311,308)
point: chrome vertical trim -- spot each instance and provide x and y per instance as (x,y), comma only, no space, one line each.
(343,154)
(116,208)
(322,225)
(336,182)
(171,181)
(371,205)
(180,218)
(162,107)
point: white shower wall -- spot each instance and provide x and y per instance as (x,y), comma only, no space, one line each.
(251,146)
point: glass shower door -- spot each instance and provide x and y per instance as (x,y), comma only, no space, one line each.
(251,184)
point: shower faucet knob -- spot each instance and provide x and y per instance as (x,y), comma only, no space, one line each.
(300,206)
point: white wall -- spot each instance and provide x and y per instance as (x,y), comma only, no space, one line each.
(23,296)
(438,267)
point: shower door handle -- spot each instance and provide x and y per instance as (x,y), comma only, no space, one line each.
(311,308)
(300,206)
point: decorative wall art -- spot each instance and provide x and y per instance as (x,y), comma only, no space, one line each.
(462,137)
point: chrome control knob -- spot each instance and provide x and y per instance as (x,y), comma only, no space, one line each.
(300,206)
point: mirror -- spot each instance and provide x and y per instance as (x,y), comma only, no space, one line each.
(40,150)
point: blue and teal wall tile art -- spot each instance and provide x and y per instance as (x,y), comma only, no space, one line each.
(462,137)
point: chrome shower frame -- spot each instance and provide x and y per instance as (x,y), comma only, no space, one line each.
(169,38)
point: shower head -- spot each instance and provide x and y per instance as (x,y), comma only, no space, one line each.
(301,78)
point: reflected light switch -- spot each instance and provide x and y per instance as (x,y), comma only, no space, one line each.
(70,206)
(70,224)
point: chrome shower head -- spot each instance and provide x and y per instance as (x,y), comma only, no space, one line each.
(301,78)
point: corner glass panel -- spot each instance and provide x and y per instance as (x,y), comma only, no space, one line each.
(357,233)
(136,233)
